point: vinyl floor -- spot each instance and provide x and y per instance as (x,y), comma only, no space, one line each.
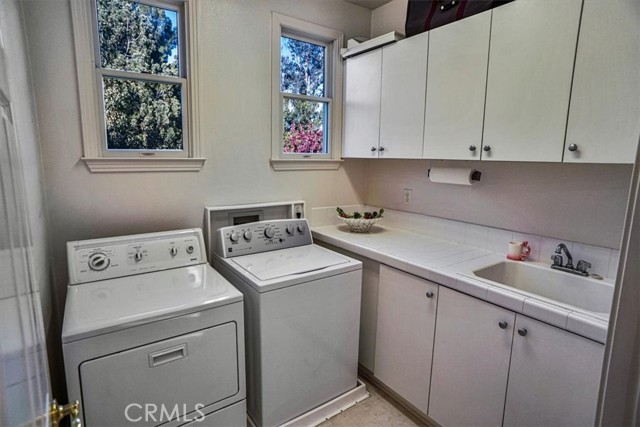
(376,411)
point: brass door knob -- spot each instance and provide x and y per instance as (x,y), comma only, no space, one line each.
(58,412)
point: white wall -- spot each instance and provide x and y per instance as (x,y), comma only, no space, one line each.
(235,73)
(389,17)
(579,203)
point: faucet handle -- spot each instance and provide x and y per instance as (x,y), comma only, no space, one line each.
(557,260)
(583,266)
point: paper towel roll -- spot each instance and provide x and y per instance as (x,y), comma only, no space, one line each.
(459,176)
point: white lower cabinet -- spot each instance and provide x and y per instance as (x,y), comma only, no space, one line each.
(404,336)
(470,361)
(554,377)
(485,356)
(466,362)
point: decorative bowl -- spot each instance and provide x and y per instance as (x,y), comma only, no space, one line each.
(359,225)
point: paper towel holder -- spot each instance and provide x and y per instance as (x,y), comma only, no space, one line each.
(475,175)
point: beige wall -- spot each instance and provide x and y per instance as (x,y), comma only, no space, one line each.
(389,17)
(235,58)
(579,203)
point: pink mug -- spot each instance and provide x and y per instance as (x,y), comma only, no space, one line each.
(518,251)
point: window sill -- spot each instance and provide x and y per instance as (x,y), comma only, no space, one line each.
(124,164)
(305,164)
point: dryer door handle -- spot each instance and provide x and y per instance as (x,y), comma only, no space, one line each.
(168,355)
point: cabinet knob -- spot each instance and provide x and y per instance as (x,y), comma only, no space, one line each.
(573,147)
(429,294)
(472,148)
(503,325)
(487,148)
(381,149)
(522,332)
(373,148)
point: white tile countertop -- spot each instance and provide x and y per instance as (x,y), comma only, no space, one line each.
(452,264)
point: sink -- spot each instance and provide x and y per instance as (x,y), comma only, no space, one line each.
(539,279)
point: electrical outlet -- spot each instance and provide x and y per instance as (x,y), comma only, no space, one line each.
(407,193)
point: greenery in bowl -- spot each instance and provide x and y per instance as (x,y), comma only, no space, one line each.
(358,215)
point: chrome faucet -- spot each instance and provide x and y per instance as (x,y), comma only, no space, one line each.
(562,247)
(580,269)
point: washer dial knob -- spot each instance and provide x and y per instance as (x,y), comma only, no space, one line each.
(98,261)
(269,232)
(301,228)
(190,249)
(247,236)
(234,237)
(173,251)
(290,229)
(137,256)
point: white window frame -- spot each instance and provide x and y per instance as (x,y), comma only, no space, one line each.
(90,75)
(282,25)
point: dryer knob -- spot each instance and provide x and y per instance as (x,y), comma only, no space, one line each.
(137,256)
(173,251)
(98,261)
(269,233)
(301,228)
(290,229)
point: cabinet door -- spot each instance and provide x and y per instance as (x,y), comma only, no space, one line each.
(604,118)
(362,105)
(470,361)
(554,377)
(456,83)
(404,338)
(404,80)
(531,58)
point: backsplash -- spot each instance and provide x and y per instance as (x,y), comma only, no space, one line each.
(577,202)
(604,261)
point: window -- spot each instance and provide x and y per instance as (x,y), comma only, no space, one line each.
(307,101)
(137,99)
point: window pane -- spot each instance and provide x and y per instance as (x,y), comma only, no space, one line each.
(302,67)
(304,126)
(142,115)
(137,37)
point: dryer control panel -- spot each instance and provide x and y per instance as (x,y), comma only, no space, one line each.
(100,259)
(262,236)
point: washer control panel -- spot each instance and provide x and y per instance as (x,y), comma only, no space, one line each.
(262,236)
(100,259)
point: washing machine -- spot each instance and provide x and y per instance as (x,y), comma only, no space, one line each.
(152,334)
(302,316)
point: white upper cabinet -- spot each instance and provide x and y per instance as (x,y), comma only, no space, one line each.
(456,83)
(362,105)
(604,117)
(531,60)
(404,80)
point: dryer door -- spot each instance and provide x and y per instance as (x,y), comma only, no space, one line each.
(155,383)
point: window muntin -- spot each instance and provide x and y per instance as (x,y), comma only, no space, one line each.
(305,96)
(140,77)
